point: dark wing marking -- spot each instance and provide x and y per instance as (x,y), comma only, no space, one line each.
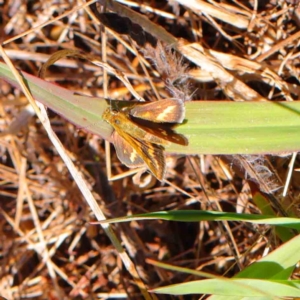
(161,131)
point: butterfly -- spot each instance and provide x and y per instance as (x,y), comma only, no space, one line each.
(142,130)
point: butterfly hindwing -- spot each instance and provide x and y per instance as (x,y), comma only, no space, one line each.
(126,153)
(151,154)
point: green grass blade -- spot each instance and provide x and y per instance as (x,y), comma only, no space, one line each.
(201,215)
(235,287)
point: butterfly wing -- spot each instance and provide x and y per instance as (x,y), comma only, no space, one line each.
(151,154)
(160,131)
(162,111)
(132,150)
(123,123)
(126,153)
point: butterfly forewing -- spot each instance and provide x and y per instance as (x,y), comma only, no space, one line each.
(143,129)
(162,111)
(127,125)
(162,131)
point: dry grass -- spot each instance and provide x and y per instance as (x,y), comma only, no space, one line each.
(48,247)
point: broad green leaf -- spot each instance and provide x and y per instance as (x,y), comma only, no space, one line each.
(279,264)
(225,127)
(83,111)
(211,127)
